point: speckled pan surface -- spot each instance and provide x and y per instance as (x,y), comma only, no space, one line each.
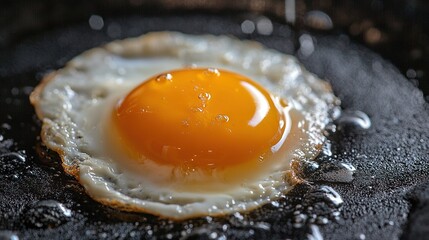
(386,200)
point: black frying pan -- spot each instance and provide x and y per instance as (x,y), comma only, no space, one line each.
(388,197)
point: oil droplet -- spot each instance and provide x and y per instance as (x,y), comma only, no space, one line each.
(204,96)
(322,220)
(314,233)
(326,148)
(355,119)
(247,26)
(306,45)
(290,11)
(283,103)
(6,126)
(222,118)
(263,226)
(14,91)
(197,109)
(96,22)
(264,26)
(318,20)
(185,123)
(212,72)
(164,78)
(45,214)
(330,129)
(8,235)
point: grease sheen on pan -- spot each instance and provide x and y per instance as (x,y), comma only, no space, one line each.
(229,161)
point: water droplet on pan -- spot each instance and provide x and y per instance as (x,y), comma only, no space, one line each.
(329,171)
(307,45)
(204,233)
(327,148)
(96,22)
(314,233)
(355,119)
(318,20)
(45,214)
(248,26)
(12,163)
(6,126)
(324,194)
(8,235)
(264,26)
(319,205)
(325,168)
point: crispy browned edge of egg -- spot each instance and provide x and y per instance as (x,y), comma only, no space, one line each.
(35,101)
(290,176)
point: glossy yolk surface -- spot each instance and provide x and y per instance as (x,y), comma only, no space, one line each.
(207,118)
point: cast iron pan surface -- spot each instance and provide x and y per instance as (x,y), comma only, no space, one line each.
(388,198)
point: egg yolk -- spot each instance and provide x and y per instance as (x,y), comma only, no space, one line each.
(204,117)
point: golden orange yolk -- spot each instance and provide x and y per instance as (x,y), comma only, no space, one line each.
(207,118)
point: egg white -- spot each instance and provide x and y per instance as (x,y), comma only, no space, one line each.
(76,101)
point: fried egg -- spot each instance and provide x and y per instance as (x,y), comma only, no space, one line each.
(182,126)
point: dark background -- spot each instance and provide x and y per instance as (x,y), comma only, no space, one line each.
(403,24)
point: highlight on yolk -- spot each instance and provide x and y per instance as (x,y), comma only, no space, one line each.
(204,117)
